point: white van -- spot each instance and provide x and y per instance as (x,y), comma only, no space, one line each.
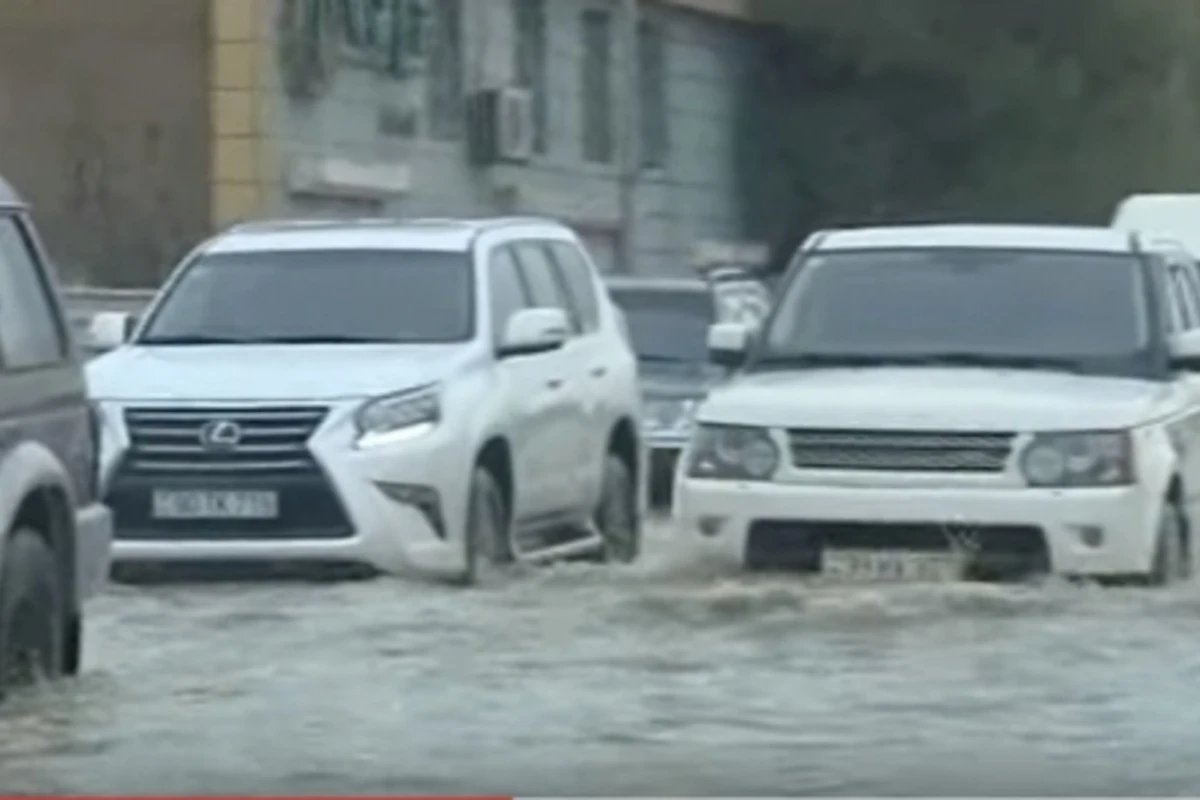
(1162,217)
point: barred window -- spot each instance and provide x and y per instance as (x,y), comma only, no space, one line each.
(652,94)
(530,65)
(445,75)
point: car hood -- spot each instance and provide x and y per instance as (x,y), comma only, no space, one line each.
(274,372)
(934,399)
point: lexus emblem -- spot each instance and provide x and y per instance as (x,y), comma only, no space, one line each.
(220,434)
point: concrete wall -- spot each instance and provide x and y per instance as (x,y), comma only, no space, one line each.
(104,127)
(375,131)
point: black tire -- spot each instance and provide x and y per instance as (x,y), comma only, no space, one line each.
(32,616)
(1172,562)
(617,518)
(487,533)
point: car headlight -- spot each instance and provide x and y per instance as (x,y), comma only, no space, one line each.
(398,417)
(1102,458)
(732,452)
(675,417)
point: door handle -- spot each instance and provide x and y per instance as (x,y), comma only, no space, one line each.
(554,383)
(599,372)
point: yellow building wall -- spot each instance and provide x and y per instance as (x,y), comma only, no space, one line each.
(244,165)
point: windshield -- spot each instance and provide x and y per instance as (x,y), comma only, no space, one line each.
(1029,308)
(316,296)
(667,326)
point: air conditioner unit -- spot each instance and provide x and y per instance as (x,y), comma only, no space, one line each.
(500,125)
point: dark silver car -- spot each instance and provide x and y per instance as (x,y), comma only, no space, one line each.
(54,533)
(668,320)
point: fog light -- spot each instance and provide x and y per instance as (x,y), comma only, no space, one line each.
(1089,535)
(711,526)
(423,498)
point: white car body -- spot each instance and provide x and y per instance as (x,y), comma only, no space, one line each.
(995,413)
(397,503)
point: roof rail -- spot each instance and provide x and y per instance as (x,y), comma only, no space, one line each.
(284,224)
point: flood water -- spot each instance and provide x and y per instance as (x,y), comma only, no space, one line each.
(664,678)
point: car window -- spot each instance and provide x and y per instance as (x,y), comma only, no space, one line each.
(1083,309)
(319,296)
(577,277)
(29,331)
(1183,283)
(667,327)
(541,276)
(506,290)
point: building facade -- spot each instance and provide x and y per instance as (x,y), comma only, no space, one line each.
(398,107)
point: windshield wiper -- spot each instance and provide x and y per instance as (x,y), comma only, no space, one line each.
(1000,361)
(320,339)
(194,338)
(653,358)
(924,360)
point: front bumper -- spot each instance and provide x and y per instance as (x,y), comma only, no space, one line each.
(398,508)
(734,519)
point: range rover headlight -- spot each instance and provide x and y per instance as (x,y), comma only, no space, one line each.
(398,417)
(733,452)
(1095,458)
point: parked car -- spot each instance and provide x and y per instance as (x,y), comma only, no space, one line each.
(668,321)
(962,400)
(55,533)
(437,396)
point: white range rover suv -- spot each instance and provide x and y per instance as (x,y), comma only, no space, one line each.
(432,396)
(959,401)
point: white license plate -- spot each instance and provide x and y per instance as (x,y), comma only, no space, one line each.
(193,504)
(892,565)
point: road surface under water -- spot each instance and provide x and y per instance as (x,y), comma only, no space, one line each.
(665,678)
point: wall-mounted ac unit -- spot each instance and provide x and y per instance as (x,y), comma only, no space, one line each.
(500,126)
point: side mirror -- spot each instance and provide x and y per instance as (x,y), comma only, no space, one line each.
(534,330)
(728,343)
(110,329)
(1185,351)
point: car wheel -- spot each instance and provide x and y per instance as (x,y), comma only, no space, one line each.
(487,540)
(617,514)
(31,612)
(1172,562)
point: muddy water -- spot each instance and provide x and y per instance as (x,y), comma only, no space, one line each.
(663,678)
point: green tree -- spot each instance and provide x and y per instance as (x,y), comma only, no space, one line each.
(1023,110)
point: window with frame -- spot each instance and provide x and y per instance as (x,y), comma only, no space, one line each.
(1187,296)
(596,99)
(444,83)
(579,283)
(30,335)
(652,94)
(529,18)
(507,293)
(545,284)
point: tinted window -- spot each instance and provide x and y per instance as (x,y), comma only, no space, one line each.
(542,277)
(29,333)
(320,295)
(667,326)
(1079,306)
(507,289)
(579,283)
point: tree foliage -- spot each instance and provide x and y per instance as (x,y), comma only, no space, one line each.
(1023,110)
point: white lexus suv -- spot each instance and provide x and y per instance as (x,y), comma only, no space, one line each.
(432,396)
(958,401)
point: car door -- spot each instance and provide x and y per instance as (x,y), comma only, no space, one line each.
(595,356)
(553,423)
(44,395)
(1183,287)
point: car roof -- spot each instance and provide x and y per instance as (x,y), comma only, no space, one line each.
(653,284)
(8,196)
(449,235)
(984,236)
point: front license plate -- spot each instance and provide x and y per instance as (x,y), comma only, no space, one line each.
(194,504)
(892,565)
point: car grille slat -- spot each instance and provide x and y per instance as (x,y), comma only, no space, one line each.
(169,440)
(900,451)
